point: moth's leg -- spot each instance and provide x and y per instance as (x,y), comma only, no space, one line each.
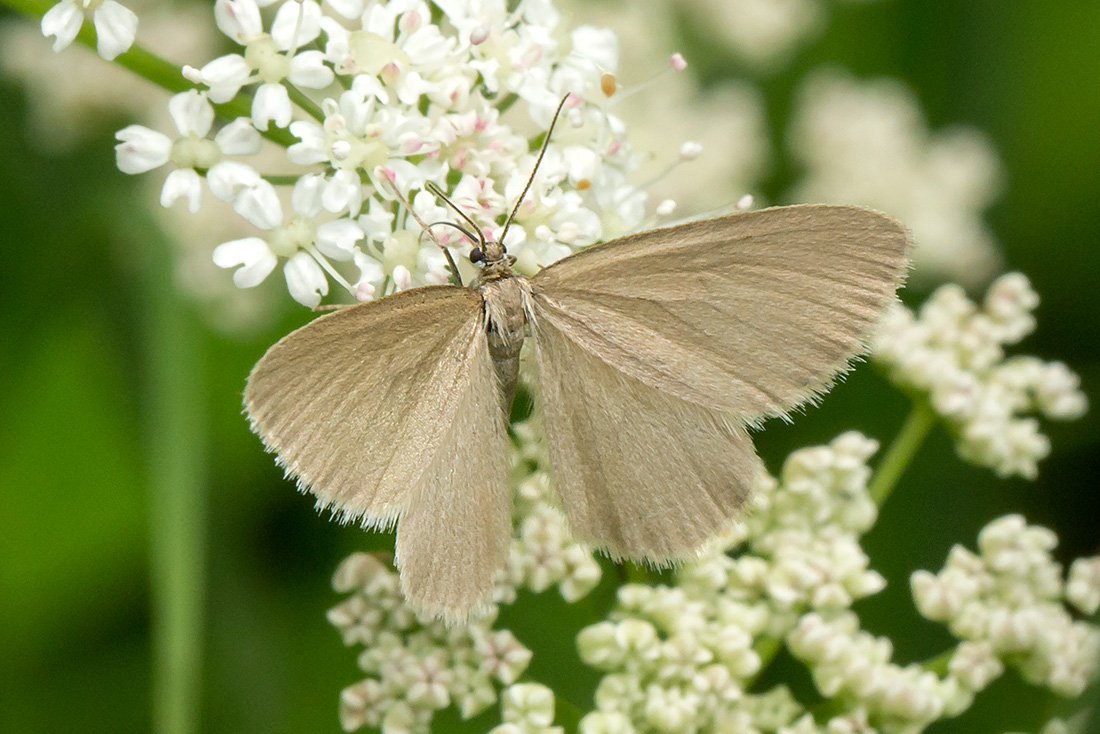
(332,307)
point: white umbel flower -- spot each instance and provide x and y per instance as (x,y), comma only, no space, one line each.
(268,59)
(953,350)
(140,150)
(115,25)
(307,244)
(1007,604)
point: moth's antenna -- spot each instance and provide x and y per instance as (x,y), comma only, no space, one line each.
(430,186)
(426,228)
(465,232)
(531,180)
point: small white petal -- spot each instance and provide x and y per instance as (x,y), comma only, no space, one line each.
(141,149)
(402,278)
(225,76)
(252,254)
(62,21)
(182,182)
(239,138)
(305,280)
(238,19)
(191,112)
(337,238)
(271,104)
(370,271)
(260,205)
(227,178)
(305,199)
(312,148)
(343,191)
(115,28)
(308,70)
(305,17)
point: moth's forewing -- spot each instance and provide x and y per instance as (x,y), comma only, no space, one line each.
(455,532)
(749,314)
(357,403)
(641,473)
(655,349)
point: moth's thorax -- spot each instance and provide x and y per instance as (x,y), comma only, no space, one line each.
(504,311)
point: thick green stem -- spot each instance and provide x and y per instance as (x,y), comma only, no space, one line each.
(175,446)
(901,452)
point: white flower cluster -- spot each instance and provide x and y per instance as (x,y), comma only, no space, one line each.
(855,667)
(543,552)
(399,101)
(867,143)
(953,351)
(677,658)
(1008,602)
(419,666)
(415,667)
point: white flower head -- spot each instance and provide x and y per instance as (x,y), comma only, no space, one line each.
(141,149)
(954,351)
(1006,603)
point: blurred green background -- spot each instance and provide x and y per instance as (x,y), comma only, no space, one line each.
(111,384)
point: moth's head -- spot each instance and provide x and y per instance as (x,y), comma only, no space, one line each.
(490,253)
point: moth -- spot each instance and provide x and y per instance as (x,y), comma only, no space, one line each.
(655,353)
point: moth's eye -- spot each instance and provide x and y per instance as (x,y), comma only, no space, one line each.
(476,255)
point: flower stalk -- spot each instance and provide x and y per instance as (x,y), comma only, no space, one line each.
(177,500)
(917,424)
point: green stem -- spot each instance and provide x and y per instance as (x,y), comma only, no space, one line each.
(299,98)
(280,179)
(938,664)
(901,452)
(177,499)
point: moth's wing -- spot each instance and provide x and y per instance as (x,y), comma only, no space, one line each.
(357,403)
(654,350)
(454,534)
(641,473)
(749,314)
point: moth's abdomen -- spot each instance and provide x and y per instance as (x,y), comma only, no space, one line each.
(506,324)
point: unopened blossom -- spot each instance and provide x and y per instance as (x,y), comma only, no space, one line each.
(953,350)
(115,25)
(1008,601)
(1083,585)
(529,706)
